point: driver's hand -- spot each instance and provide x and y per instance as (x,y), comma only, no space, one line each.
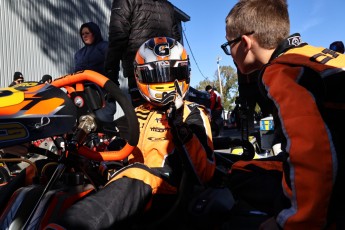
(178,100)
(175,116)
(175,111)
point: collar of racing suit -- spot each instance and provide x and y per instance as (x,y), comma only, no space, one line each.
(292,41)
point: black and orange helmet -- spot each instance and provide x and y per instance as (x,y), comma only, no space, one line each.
(158,63)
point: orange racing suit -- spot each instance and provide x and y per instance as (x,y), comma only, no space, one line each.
(155,167)
(155,147)
(305,84)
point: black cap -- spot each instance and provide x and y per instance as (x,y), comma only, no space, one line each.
(46,77)
(17,75)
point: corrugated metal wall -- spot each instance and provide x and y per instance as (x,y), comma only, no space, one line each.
(41,36)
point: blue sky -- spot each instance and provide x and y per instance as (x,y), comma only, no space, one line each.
(320,22)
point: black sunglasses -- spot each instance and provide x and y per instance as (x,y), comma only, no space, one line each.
(227,45)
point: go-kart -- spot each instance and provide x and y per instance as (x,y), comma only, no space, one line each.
(30,112)
(65,112)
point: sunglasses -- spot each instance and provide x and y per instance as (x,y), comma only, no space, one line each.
(20,81)
(227,45)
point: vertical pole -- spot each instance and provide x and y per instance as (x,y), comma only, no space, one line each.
(220,81)
(220,84)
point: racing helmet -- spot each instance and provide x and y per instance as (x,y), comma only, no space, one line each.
(159,62)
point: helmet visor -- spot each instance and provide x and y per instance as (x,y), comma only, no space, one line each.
(162,71)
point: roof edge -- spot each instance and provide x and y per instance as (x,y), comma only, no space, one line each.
(181,15)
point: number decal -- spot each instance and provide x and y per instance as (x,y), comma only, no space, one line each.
(10,96)
(325,56)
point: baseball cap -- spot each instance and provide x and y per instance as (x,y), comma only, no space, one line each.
(46,77)
(17,75)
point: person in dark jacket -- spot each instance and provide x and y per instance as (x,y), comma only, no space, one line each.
(93,54)
(132,22)
(92,57)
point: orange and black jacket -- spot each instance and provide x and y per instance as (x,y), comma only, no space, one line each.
(305,83)
(157,150)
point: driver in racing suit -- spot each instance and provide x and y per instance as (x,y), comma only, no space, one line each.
(163,74)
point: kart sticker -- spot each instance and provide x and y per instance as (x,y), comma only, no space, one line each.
(10,96)
(12,131)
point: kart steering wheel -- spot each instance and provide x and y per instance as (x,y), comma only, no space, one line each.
(78,80)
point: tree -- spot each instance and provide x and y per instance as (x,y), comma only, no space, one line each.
(228,78)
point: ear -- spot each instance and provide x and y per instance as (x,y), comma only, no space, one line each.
(247,42)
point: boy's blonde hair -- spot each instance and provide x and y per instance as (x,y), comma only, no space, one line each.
(269,19)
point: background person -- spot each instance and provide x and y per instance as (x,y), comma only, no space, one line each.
(17,78)
(155,165)
(216,109)
(92,57)
(46,79)
(302,82)
(133,22)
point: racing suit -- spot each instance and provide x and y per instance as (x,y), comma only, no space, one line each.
(303,82)
(154,168)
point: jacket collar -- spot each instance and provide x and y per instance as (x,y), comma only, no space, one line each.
(290,42)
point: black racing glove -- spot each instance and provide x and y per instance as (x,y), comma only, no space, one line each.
(175,117)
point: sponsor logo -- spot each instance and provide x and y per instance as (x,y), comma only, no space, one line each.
(157,138)
(161,120)
(159,130)
(26,84)
(162,49)
(12,131)
(295,40)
